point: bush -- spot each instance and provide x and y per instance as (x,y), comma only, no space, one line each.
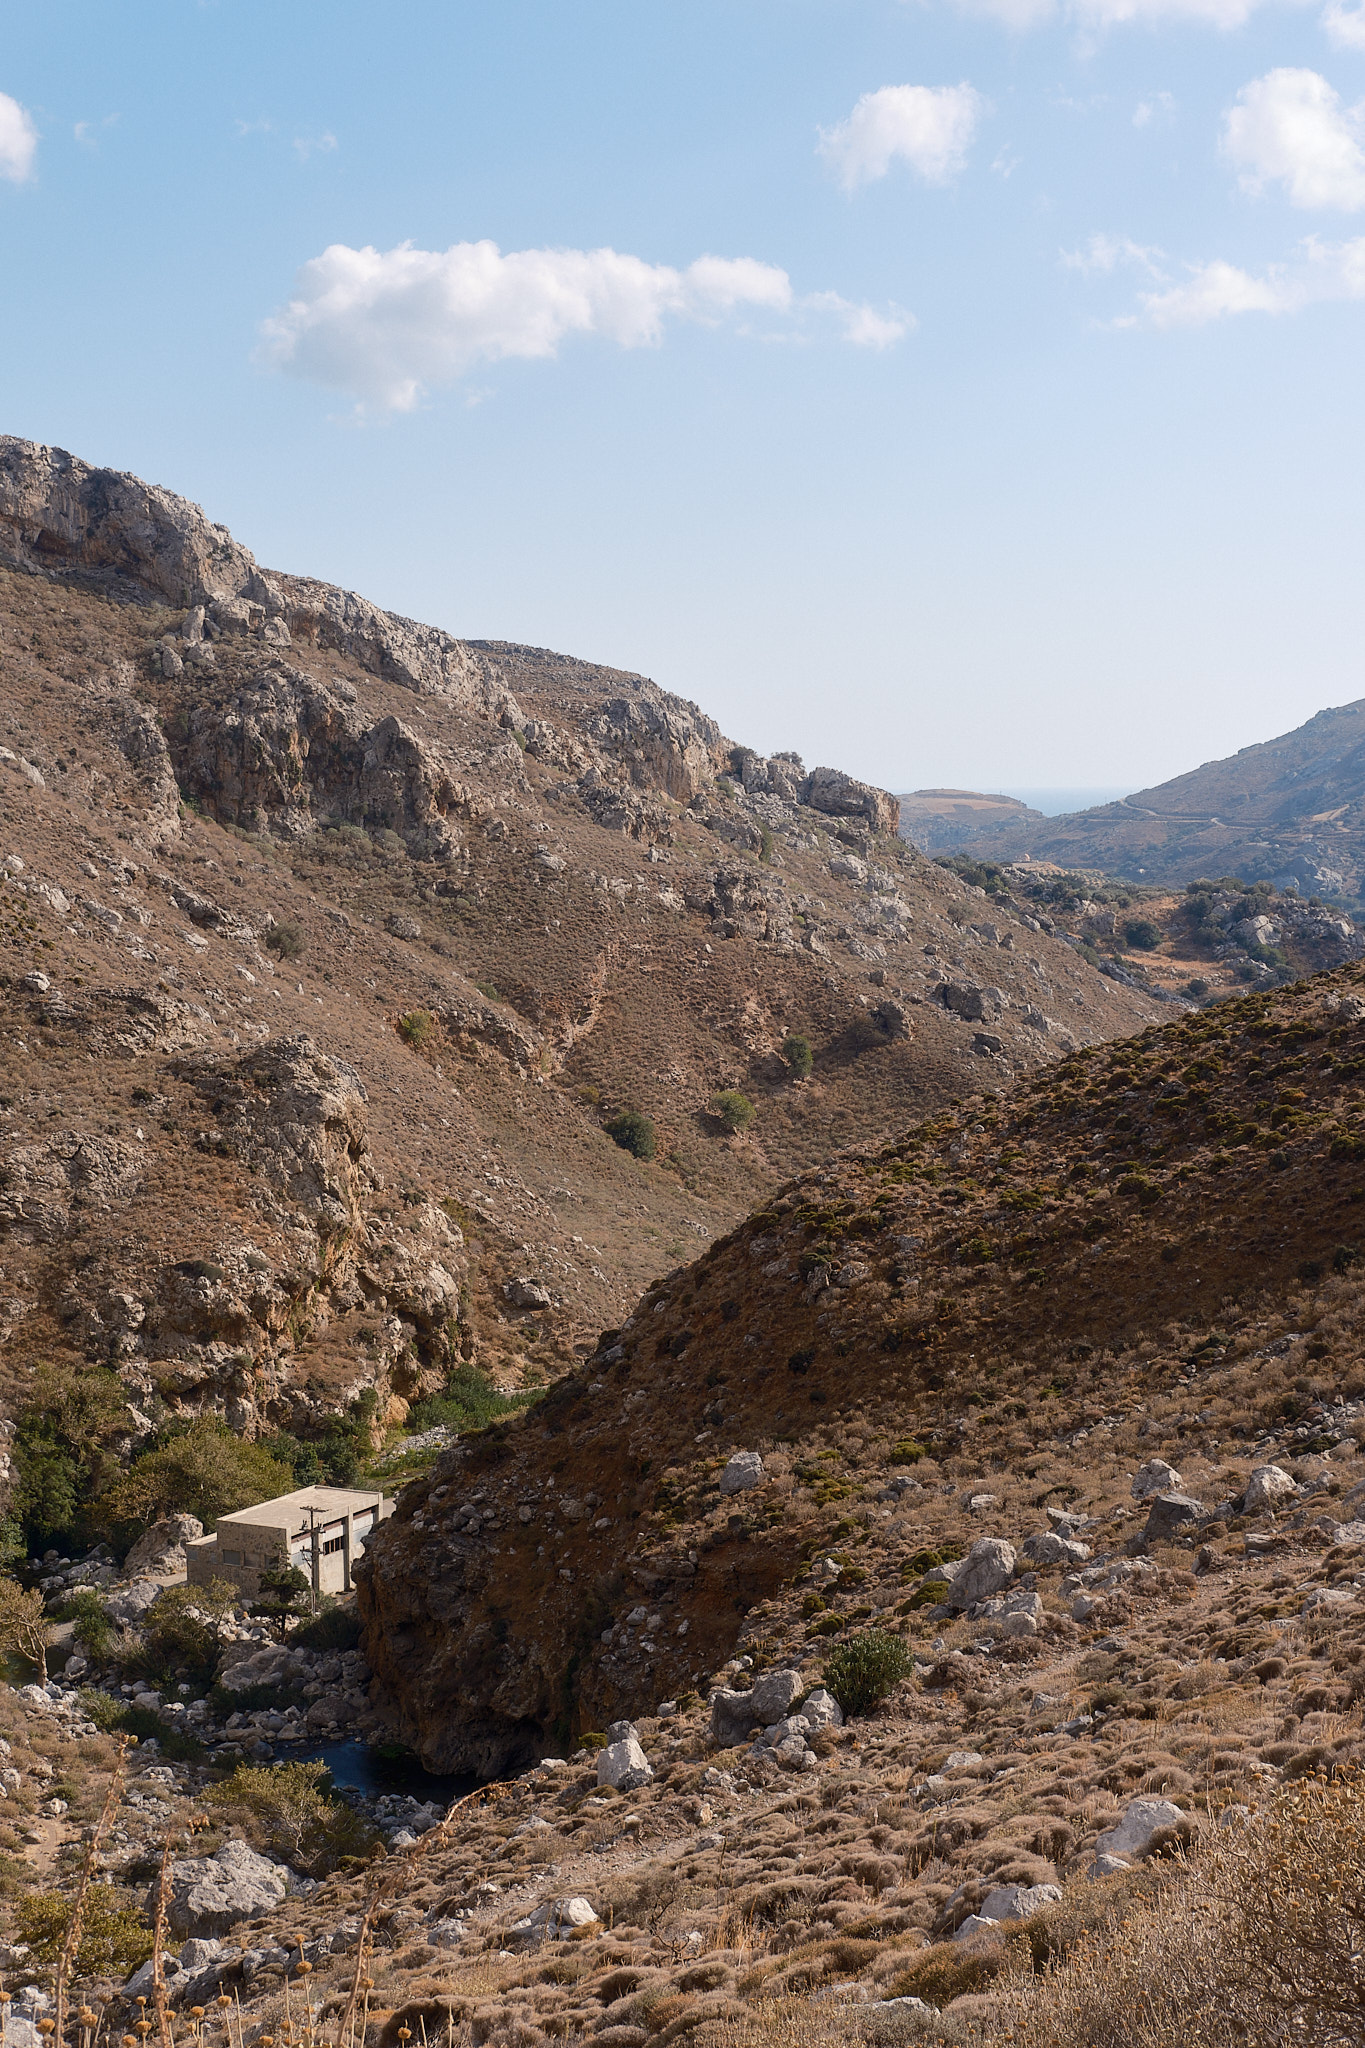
(333,1627)
(906,1452)
(200,1468)
(286,939)
(64,1451)
(861,1672)
(183,1627)
(798,1055)
(633,1133)
(1142,933)
(417,1027)
(470,1402)
(115,1939)
(286,1594)
(735,1111)
(93,1629)
(289,1810)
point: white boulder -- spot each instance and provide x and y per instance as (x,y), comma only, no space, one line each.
(1156,1476)
(1268,1488)
(210,1894)
(1018,1901)
(556,1919)
(624,1766)
(743,1471)
(1144,1820)
(160,1554)
(987,1568)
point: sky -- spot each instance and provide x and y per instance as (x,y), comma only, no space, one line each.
(961,392)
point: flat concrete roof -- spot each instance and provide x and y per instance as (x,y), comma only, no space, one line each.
(290,1510)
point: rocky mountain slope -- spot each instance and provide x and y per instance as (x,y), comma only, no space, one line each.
(329,944)
(1290,810)
(1150,1247)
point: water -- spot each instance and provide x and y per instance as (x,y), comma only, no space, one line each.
(355,1766)
(1056,803)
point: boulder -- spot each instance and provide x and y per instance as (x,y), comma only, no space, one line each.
(1107,1866)
(523,1292)
(445,1934)
(1156,1476)
(556,1919)
(839,796)
(1018,1901)
(774,1694)
(744,1470)
(126,1605)
(210,1894)
(624,1766)
(1168,1513)
(1049,1547)
(822,1710)
(987,1568)
(976,1927)
(160,1554)
(732,1717)
(1269,1487)
(1144,1820)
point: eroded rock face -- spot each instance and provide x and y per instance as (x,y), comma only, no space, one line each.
(161,1552)
(210,1894)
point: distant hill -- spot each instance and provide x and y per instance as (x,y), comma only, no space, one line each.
(1288,810)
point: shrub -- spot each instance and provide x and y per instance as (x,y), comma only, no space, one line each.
(633,1133)
(285,1595)
(93,1629)
(906,1452)
(184,1628)
(798,1055)
(333,1627)
(64,1450)
(200,1468)
(290,1810)
(735,1111)
(470,1402)
(286,939)
(1142,933)
(24,1627)
(115,1939)
(863,1671)
(417,1027)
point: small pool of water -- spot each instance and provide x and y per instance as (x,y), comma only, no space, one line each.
(356,1766)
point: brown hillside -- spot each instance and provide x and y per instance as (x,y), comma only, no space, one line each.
(993,1286)
(331,943)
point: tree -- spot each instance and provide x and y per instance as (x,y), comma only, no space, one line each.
(735,1111)
(285,1595)
(633,1133)
(202,1470)
(798,1055)
(64,1449)
(184,1627)
(288,1810)
(23,1625)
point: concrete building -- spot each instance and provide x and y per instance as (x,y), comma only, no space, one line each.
(321,1529)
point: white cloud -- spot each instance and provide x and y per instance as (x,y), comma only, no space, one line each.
(1291,127)
(1103,254)
(929,127)
(1104,14)
(1319,272)
(314,145)
(18,141)
(388,325)
(1345,26)
(1160,107)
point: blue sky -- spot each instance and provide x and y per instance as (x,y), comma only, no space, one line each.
(974,394)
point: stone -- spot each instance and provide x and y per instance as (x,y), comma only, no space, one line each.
(210,1894)
(126,1605)
(1169,1512)
(987,1568)
(329,1710)
(1049,1547)
(732,1717)
(1018,1901)
(160,1554)
(1156,1476)
(977,1927)
(773,1696)
(556,1919)
(743,1471)
(525,1293)
(822,1710)
(624,1766)
(1268,1488)
(1143,1821)
(1328,1599)
(1107,1866)
(445,1934)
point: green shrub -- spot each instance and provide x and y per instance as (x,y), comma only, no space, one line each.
(183,1628)
(93,1629)
(333,1627)
(865,1670)
(907,1452)
(1142,933)
(735,1111)
(286,1594)
(798,1055)
(64,1451)
(199,1468)
(633,1133)
(417,1027)
(470,1401)
(115,1938)
(286,939)
(289,1810)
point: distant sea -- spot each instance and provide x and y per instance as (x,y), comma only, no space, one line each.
(1053,802)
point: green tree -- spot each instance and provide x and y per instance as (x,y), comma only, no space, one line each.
(799,1057)
(633,1133)
(184,1627)
(64,1450)
(288,1810)
(202,1469)
(115,1938)
(735,1111)
(286,1594)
